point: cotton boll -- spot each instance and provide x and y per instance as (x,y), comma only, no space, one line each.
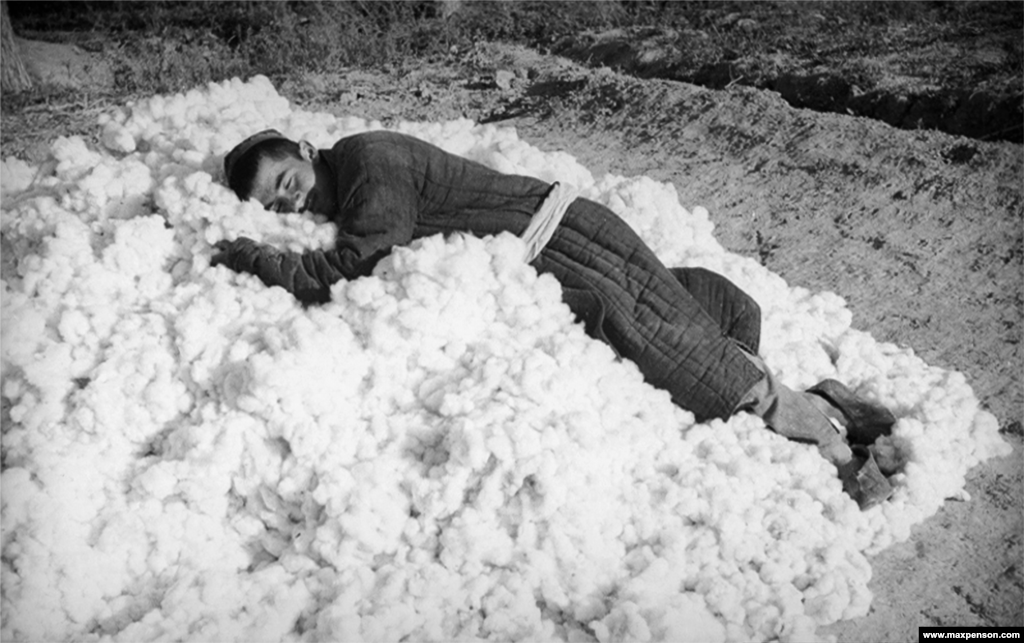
(20,496)
(669,613)
(82,584)
(24,326)
(41,617)
(49,369)
(623,623)
(16,176)
(74,158)
(501,147)
(117,139)
(687,619)
(140,246)
(158,481)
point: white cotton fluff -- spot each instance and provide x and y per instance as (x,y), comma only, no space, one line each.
(439,453)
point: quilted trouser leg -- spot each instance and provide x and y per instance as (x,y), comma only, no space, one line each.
(793,414)
(733,310)
(796,415)
(648,316)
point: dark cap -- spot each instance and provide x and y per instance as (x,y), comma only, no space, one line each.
(246,145)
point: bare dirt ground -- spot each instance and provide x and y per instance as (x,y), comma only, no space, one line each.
(954,68)
(920,231)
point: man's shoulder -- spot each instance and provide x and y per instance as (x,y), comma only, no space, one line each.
(375,138)
(386,151)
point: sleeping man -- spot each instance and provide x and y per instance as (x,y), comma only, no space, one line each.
(690,331)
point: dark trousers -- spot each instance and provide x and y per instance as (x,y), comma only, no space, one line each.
(736,312)
(731,309)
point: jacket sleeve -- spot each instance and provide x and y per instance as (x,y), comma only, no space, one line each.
(377,217)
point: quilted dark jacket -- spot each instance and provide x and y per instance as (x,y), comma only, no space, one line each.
(682,328)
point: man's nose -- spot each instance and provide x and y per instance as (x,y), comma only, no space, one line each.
(282,204)
(292,199)
(286,203)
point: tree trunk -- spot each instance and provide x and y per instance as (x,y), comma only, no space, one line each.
(13,76)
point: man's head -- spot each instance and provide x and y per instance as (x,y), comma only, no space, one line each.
(283,175)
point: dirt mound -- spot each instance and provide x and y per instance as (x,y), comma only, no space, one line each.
(64,65)
(904,102)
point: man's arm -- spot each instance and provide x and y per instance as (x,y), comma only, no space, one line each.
(308,275)
(376,217)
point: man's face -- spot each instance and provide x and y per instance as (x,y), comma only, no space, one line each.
(290,184)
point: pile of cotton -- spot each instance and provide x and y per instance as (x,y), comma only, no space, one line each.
(439,453)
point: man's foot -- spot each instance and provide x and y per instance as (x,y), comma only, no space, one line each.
(865,421)
(863,480)
(889,460)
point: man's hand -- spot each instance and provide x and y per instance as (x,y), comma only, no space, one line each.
(230,251)
(276,268)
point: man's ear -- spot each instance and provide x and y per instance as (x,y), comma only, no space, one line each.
(307,150)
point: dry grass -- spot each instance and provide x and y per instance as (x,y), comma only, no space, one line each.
(168,46)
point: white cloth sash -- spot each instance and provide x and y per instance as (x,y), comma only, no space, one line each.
(546,219)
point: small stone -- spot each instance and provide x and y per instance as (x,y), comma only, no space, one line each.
(728,19)
(503,79)
(747,24)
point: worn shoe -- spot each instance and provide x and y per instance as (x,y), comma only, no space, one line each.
(863,480)
(865,421)
(890,461)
